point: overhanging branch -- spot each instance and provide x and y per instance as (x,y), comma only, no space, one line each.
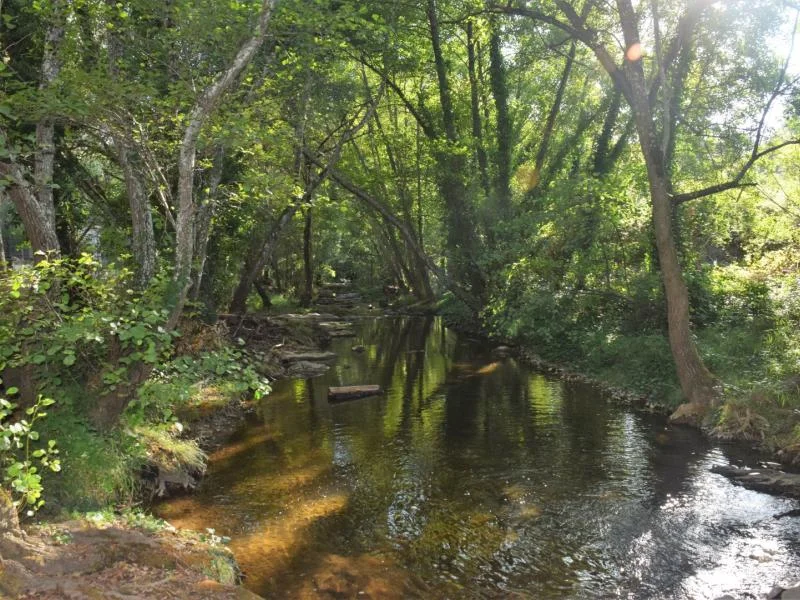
(736,182)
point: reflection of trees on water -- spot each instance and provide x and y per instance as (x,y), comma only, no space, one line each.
(468,467)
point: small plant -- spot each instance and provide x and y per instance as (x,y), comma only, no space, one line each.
(20,458)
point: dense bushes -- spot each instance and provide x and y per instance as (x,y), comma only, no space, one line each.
(746,329)
(74,330)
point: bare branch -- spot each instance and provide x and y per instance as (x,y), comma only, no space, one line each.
(736,182)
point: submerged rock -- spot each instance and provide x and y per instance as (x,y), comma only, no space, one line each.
(337,328)
(312,356)
(502,352)
(304,369)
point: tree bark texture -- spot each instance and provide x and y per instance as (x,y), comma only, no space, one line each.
(143,243)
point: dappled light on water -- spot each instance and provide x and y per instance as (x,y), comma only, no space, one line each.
(475,477)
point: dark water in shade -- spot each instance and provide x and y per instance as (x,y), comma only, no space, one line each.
(476,478)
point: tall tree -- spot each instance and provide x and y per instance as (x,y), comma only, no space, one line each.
(204,106)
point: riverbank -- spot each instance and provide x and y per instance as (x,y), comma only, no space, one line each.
(124,556)
(126,553)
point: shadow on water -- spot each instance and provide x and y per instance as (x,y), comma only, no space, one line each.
(480,478)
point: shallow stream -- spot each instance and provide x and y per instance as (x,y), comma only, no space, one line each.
(477,477)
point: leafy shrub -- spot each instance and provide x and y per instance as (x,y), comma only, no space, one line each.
(20,455)
(728,296)
(75,320)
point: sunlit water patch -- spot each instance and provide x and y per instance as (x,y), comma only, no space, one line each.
(477,478)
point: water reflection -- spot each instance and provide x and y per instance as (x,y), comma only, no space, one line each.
(475,477)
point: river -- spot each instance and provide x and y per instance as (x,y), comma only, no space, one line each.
(477,477)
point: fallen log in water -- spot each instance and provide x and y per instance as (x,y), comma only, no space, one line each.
(350,392)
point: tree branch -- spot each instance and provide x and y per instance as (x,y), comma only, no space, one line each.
(736,181)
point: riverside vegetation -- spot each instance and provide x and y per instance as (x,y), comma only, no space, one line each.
(613,188)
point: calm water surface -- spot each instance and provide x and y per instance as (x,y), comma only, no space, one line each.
(479,478)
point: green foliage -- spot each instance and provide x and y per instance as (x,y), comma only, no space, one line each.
(174,383)
(76,320)
(21,452)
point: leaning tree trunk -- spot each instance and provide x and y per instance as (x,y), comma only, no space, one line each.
(255,264)
(39,227)
(206,103)
(698,385)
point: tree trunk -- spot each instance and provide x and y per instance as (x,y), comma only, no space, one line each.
(204,217)
(698,385)
(44,157)
(477,126)
(39,228)
(34,203)
(601,162)
(143,243)
(550,124)
(206,103)
(308,269)
(461,240)
(497,78)
(3,262)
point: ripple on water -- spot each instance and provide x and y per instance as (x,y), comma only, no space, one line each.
(473,477)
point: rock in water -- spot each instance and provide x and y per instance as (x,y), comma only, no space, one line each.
(769,481)
(311,356)
(501,352)
(306,370)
